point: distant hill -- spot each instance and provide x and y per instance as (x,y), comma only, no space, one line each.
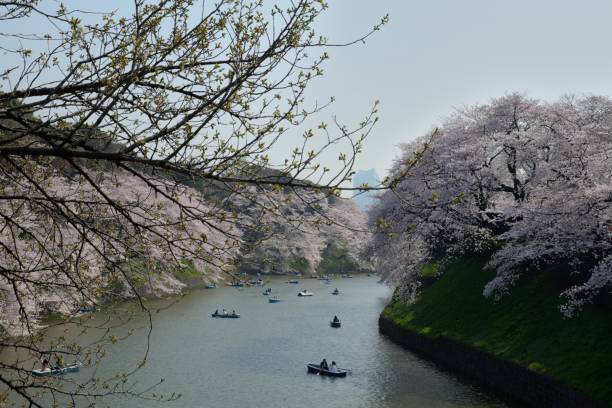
(239,229)
(365,199)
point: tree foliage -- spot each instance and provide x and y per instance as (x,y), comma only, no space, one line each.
(525,180)
(129,138)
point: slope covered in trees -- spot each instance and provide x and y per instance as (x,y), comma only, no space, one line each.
(289,227)
(132,139)
(527,182)
(524,327)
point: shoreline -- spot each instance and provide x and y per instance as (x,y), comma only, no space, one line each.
(508,379)
(53,317)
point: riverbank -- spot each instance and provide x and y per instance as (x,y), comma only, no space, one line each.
(156,288)
(521,345)
(260,359)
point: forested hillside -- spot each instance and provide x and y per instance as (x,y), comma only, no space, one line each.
(67,241)
(525,182)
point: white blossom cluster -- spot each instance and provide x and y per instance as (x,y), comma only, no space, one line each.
(72,248)
(525,182)
(300,228)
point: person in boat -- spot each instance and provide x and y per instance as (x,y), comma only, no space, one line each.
(336,320)
(217,312)
(333,368)
(233,313)
(224,311)
(59,363)
(45,366)
(324,365)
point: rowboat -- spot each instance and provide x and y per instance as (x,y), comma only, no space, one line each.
(212,286)
(305,293)
(316,369)
(226,316)
(335,324)
(73,368)
(274,299)
(336,292)
(293,281)
(257,282)
(87,309)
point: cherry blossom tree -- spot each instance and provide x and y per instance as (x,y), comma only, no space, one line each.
(127,143)
(523,181)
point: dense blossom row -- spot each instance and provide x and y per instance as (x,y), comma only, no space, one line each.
(526,181)
(76,246)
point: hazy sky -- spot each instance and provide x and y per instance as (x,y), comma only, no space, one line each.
(436,55)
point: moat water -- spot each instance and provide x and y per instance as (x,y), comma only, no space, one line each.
(260,359)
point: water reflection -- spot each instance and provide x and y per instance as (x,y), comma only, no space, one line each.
(259,360)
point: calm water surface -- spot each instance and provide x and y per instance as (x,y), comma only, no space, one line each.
(260,359)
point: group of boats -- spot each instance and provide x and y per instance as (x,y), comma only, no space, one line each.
(312,368)
(272,299)
(335,322)
(237,283)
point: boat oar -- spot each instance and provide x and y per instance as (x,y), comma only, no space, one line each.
(318,372)
(308,365)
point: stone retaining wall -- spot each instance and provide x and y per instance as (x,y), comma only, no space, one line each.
(507,378)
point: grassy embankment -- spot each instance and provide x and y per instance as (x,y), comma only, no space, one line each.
(525,326)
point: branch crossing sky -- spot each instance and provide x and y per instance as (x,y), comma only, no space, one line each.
(435,56)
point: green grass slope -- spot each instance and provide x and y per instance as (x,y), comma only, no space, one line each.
(525,326)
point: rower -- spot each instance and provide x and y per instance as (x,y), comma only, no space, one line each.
(323,365)
(59,362)
(45,366)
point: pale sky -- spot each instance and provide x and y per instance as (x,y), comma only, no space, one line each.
(435,55)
